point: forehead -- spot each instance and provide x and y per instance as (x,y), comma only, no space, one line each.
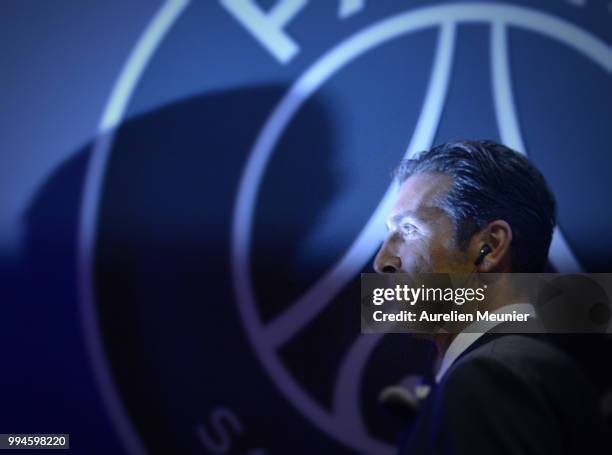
(420,193)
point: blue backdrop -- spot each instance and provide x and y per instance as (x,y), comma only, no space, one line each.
(189,191)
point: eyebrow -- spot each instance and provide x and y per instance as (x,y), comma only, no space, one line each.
(395,219)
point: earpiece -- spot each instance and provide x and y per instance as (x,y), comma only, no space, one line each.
(486,249)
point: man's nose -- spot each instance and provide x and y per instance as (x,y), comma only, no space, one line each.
(387,261)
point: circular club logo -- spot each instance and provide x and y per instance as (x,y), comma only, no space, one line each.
(239,186)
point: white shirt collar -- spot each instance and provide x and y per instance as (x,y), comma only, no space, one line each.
(473,332)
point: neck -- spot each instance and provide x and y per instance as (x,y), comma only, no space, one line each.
(442,341)
(499,295)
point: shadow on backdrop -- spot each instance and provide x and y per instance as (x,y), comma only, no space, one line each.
(183,365)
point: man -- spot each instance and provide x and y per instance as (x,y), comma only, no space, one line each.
(478,206)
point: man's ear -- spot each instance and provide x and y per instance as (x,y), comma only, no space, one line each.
(498,235)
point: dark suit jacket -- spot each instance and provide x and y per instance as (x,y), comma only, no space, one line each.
(511,394)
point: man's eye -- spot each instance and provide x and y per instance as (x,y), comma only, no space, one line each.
(409,229)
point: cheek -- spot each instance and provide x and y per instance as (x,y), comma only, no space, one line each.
(446,257)
(426,256)
(416,256)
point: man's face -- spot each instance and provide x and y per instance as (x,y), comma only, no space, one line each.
(421,235)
